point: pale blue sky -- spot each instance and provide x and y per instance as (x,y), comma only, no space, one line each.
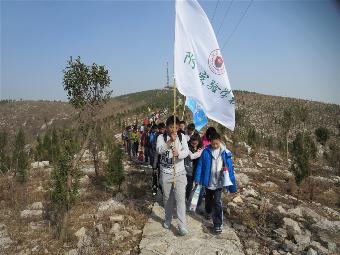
(288,48)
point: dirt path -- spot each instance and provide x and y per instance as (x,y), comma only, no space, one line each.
(200,240)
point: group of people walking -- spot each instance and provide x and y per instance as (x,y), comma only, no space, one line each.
(182,160)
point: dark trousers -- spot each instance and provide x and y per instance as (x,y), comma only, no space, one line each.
(213,205)
(135,149)
(189,186)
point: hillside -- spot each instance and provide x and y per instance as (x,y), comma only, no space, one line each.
(261,111)
(269,214)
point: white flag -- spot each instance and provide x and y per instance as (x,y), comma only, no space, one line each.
(199,67)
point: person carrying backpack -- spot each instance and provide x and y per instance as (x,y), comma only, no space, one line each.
(173,148)
(215,171)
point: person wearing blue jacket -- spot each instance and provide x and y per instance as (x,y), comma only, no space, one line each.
(209,173)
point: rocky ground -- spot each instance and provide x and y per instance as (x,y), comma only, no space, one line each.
(262,218)
(103,220)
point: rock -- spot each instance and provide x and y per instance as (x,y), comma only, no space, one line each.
(88,169)
(288,246)
(83,239)
(249,192)
(119,197)
(291,226)
(86,216)
(72,252)
(281,232)
(136,232)
(309,213)
(281,210)
(242,179)
(270,186)
(85,180)
(31,214)
(108,207)
(99,228)
(115,228)
(81,232)
(36,206)
(311,252)
(5,242)
(275,252)
(40,164)
(238,200)
(295,211)
(324,224)
(319,248)
(245,146)
(259,164)
(302,241)
(117,218)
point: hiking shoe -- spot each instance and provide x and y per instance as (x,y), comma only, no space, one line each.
(207,216)
(166,225)
(218,230)
(182,231)
(154,190)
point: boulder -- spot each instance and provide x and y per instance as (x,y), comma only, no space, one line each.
(270,186)
(295,212)
(242,179)
(109,207)
(115,228)
(324,224)
(36,206)
(83,239)
(238,200)
(311,252)
(250,192)
(319,248)
(99,228)
(117,218)
(302,241)
(40,164)
(281,210)
(31,214)
(85,180)
(291,226)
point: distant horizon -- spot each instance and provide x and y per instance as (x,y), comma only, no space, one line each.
(280,48)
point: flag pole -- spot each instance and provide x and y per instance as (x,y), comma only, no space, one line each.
(183,111)
(174,143)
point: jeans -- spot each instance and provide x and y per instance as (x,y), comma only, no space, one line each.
(213,204)
(189,186)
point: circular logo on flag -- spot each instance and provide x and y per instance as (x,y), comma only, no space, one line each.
(216,63)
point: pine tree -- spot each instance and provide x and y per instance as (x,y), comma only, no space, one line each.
(60,196)
(114,168)
(4,159)
(20,157)
(322,135)
(303,150)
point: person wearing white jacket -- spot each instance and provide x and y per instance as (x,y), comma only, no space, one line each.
(173,144)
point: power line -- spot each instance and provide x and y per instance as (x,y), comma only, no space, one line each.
(237,25)
(225,15)
(215,10)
